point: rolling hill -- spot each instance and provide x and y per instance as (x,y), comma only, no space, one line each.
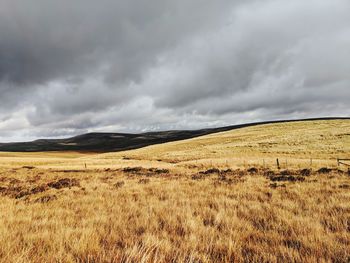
(315,143)
(107,142)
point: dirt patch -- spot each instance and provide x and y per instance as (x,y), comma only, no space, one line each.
(70,171)
(324,170)
(220,173)
(39,189)
(24,189)
(269,173)
(275,185)
(21,194)
(287,178)
(64,183)
(226,180)
(132,169)
(18,192)
(305,172)
(198,177)
(158,171)
(292,243)
(14,181)
(46,199)
(28,167)
(11,191)
(286,172)
(10,180)
(110,170)
(211,171)
(144,181)
(253,170)
(73,171)
(145,172)
(32,191)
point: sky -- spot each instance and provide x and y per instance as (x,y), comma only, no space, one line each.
(71,67)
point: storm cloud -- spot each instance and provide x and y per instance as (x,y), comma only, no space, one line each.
(68,67)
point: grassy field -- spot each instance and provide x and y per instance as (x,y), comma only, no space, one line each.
(216,198)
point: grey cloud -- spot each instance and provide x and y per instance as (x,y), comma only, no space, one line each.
(44,40)
(67,67)
(275,56)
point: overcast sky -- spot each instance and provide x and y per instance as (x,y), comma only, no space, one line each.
(70,67)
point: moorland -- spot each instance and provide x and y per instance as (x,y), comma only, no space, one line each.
(220,197)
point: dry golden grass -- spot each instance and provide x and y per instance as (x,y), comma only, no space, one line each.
(55,210)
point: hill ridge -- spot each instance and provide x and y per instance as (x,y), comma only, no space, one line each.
(112,142)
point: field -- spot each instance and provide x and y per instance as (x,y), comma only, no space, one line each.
(216,198)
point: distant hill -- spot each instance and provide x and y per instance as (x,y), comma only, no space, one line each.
(109,142)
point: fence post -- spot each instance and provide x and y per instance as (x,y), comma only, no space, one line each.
(278,164)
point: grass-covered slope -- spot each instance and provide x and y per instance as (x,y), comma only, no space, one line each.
(105,142)
(292,142)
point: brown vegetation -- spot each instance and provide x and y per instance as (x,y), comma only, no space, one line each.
(226,216)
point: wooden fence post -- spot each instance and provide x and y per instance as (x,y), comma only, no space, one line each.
(278,164)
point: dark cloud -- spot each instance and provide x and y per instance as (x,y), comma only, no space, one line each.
(47,40)
(68,67)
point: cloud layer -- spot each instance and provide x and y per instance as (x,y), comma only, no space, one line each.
(68,67)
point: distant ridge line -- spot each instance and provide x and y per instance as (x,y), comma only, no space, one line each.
(112,142)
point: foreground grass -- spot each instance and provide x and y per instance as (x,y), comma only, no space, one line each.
(156,216)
